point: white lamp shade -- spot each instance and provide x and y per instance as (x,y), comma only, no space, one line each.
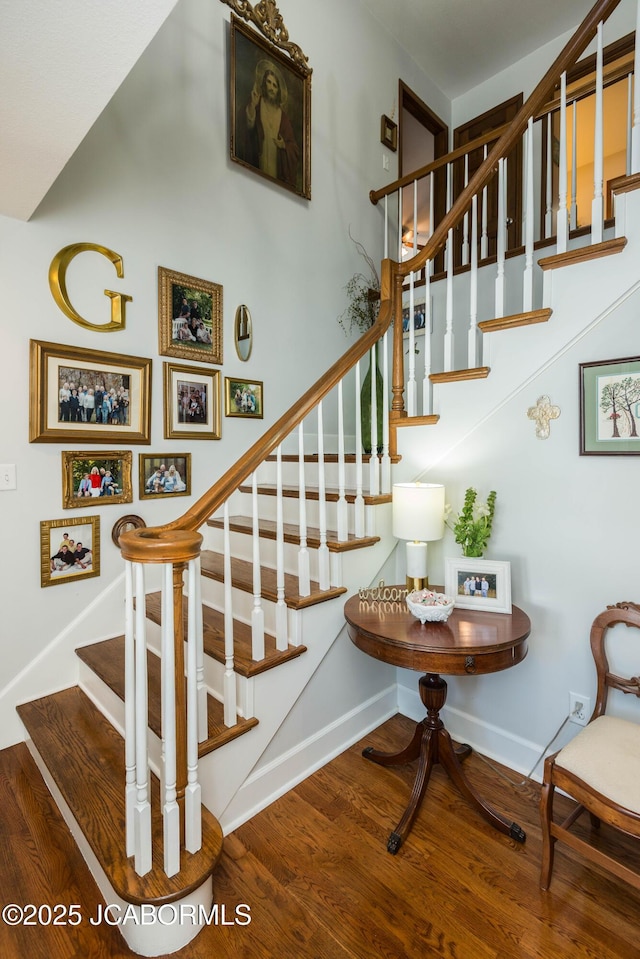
(418,511)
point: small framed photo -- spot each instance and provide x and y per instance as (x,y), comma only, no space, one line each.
(479,583)
(96,478)
(243,398)
(270,92)
(168,474)
(419,311)
(69,549)
(388,133)
(79,395)
(189,317)
(610,407)
(191,403)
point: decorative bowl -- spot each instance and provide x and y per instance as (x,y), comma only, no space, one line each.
(430,607)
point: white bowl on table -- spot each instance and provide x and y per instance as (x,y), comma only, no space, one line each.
(429,606)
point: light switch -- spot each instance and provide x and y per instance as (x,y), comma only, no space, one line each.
(385,161)
(7,476)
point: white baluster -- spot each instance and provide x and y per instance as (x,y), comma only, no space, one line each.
(465,221)
(229,682)
(257,612)
(400,218)
(562,225)
(548,218)
(304,575)
(427,386)
(192,798)
(448,336)
(385,462)
(473,288)
(635,137)
(342,511)
(597,205)
(484,238)
(573,215)
(142,816)
(170,808)
(629,157)
(501,238)
(411,379)
(386,227)
(282,638)
(374,463)
(201,689)
(527,282)
(359,503)
(324,573)
(129,709)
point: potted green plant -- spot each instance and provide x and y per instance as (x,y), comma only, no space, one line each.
(472,526)
(363,295)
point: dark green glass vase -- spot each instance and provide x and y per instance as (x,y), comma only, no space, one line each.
(365,407)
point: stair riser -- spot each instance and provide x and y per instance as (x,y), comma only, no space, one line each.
(267,473)
(242,548)
(267,509)
(242,602)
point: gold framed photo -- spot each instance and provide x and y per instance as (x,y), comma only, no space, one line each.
(191,403)
(270,111)
(96,478)
(79,395)
(69,549)
(165,474)
(243,398)
(189,317)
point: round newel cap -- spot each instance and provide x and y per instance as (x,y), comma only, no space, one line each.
(156,545)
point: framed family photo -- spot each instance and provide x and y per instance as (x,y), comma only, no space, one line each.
(189,317)
(91,479)
(610,407)
(479,583)
(168,474)
(243,398)
(87,396)
(191,403)
(270,111)
(69,549)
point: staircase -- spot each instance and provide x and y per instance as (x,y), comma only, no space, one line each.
(76,735)
(284,536)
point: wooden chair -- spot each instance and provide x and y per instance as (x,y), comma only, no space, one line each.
(600,767)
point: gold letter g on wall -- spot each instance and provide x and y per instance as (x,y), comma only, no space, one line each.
(58,286)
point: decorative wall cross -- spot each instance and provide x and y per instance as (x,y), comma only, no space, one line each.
(543,412)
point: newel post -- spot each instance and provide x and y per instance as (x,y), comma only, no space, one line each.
(176,551)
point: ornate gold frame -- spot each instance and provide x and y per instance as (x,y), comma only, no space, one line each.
(204,352)
(70,499)
(46,525)
(170,457)
(45,425)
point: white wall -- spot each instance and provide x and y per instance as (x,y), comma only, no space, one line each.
(153,181)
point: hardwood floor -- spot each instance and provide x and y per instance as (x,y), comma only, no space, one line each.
(314,870)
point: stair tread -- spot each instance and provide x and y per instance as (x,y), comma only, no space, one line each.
(311,493)
(515,320)
(85,756)
(268,530)
(213,639)
(107,658)
(582,254)
(454,376)
(212,565)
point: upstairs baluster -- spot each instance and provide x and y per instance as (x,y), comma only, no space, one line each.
(527,283)
(635,137)
(562,227)
(597,206)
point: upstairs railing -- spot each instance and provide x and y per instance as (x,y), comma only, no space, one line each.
(443,319)
(175,548)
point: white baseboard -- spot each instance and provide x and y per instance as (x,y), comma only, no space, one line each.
(275,779)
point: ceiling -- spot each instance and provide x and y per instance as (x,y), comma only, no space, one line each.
(61,61)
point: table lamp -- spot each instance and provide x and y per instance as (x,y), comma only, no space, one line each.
(418,517)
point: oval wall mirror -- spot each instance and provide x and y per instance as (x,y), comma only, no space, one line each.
(243,332)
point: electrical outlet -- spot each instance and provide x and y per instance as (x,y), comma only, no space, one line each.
(579,708)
